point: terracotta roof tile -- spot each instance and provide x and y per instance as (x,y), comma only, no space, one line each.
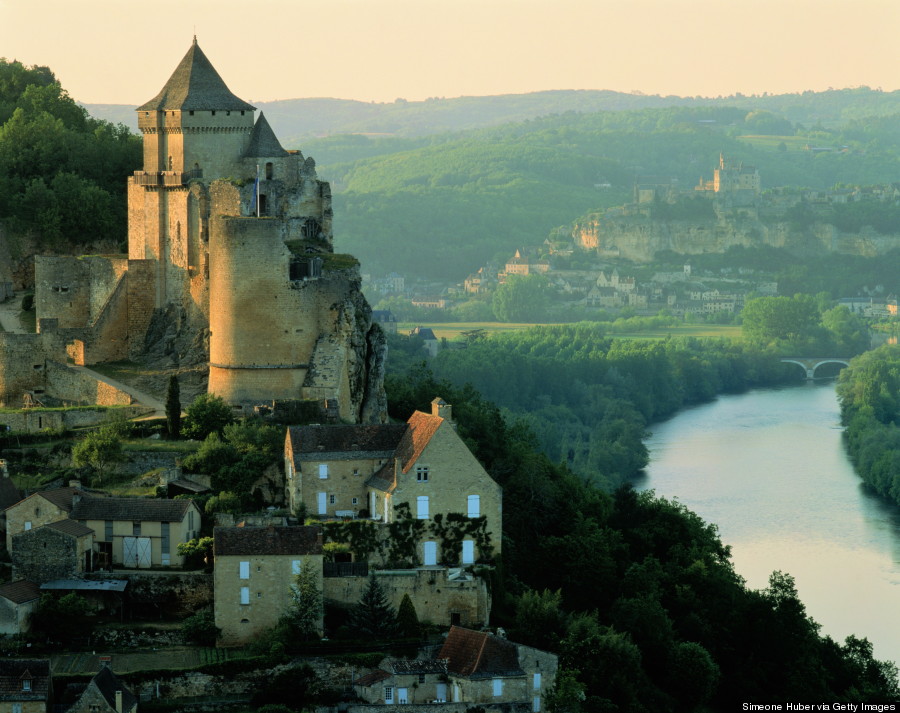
(20,592)
(421,429)
(69,527)
(479,654)
(268,540)
(372,678)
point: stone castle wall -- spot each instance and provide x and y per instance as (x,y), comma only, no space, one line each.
(22,367)
(78,388)
(37,419)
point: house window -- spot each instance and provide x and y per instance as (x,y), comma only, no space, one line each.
(245,595)
(355,501)
(26,684)
(136,529)
(356,471)
(28,524)
(108,530)
(165,547)
(323,470)
(536,685)
(244,570)
(422,474)
(422,507)
(497,685)
(473,505)
(332,499)
(388,694)
(421,678)
(37,512)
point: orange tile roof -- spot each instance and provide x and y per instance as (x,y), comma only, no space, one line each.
(479,654)
(422,427)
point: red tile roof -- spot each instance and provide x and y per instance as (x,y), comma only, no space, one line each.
(479,654)
(372,678)
(421,429)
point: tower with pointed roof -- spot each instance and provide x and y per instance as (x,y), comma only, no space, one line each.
(230,256)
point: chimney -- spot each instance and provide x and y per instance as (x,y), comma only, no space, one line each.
(118,701)
(4,469)
(75,484)
(441,408)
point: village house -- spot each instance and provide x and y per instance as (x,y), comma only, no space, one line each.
(17,602)
(420,470)
(520,264)
(25,685)
(57,550)
(40,508)
(485,668)
(106,693)
(254,571)
(138,532)
(405,681)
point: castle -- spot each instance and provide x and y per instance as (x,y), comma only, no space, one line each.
(229,252)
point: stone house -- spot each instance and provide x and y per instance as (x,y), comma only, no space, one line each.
(17,601)
(254,571)
(485,668)
(57,550)
(138,532)
(38,509)
(405,681)
(25,685)
(105,694)
(421,471)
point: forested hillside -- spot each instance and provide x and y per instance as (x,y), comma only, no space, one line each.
(62,173)
(637,594)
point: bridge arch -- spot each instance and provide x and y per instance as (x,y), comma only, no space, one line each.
(810,364)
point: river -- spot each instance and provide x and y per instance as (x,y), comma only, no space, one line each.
(769,468)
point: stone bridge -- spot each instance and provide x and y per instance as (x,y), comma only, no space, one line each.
(810,364)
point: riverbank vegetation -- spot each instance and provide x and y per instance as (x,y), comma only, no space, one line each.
(636,593)
(869,394)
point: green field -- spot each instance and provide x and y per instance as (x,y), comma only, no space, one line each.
(453,330)
(793,143)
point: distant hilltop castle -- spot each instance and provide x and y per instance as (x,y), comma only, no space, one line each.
(230,241)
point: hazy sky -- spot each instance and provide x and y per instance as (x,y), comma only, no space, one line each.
(122,51)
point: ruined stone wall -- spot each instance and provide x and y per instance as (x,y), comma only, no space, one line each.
(78,388)
(140,303)
(37,419)
(22,367)
(107,340)
(435,597)
(62,290)
(15,618)
(44,554)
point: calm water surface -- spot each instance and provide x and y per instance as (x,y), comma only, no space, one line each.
(769,468)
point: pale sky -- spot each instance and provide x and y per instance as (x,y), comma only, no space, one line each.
(123,51)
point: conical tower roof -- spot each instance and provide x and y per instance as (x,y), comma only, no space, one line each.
(195,84)
(263,142)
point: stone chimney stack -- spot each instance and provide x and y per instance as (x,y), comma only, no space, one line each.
(441,408)
(118,701)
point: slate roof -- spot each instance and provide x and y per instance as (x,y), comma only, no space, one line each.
(134,509)
(263,142)
(14,671)
(313,442)
(421,427)
(416,666)
(383,479)
(477,654)
(370,679)
(283,540)
(20,592)
(195,84)
(69,527)
(108,683)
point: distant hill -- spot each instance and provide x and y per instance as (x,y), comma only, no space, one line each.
(296,120)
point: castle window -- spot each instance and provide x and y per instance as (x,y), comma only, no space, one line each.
(213,112)
(422,474)
(310,229)
(227,113)
(242,113)
(303,268)
(269,171)
(263,207)
(191,112)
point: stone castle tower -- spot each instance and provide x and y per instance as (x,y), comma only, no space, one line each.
(227,232)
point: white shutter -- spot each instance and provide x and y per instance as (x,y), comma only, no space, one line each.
(473,503)
(244,570)
(422,507)
(468,552)
(429,550)
(245,595)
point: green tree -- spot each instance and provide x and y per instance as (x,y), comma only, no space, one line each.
(304,618)
(63,619)
(100,449)
(540,619)
(197,552)
(567,694)
(523,298)
(173,408)
(200,628)
(373,615)
(207,414)
(773,320)
(407,620)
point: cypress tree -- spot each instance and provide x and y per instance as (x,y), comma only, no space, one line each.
(407,619)
(173,408)
(372,615)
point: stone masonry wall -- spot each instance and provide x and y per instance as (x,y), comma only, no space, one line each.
(30,420)
(22,366)
(77,387)
(436,598)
